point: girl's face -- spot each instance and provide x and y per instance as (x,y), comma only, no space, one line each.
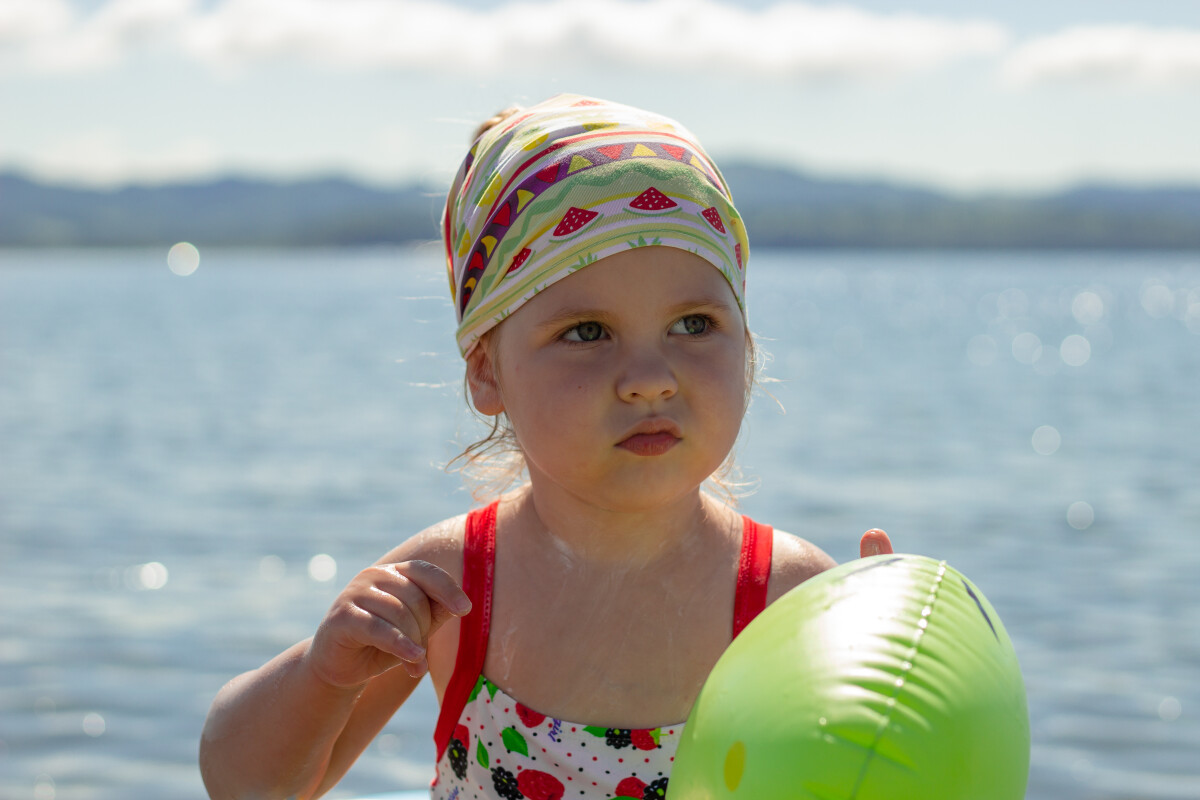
(625,383)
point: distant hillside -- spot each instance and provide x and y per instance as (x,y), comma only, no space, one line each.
(781,208)
(794,210)
(232,211)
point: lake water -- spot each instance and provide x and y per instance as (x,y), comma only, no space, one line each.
(190,467)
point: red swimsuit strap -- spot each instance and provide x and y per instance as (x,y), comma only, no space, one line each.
(479,562)
(754,572)
(479,567)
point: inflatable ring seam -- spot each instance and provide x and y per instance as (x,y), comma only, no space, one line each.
(902,680)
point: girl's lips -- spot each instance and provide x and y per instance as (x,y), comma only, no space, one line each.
(649,444)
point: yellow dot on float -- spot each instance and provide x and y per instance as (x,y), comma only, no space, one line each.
(735,765)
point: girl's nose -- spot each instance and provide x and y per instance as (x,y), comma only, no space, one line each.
(647,376)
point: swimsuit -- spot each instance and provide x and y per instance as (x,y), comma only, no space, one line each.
(490,745)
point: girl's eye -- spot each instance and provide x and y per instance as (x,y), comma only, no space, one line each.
(585,332)
(692,325)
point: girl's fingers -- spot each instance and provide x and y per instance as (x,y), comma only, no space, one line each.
(403,646)
(400,601)
(392,625)
(427,592)
(390,609)
(416,668)
(404,603)
(875,543)
(436,584)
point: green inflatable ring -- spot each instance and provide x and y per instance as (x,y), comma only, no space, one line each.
(887,678)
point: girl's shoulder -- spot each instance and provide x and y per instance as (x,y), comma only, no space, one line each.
(793,561)
(441,544)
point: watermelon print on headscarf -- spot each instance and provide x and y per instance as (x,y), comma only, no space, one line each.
(559,186)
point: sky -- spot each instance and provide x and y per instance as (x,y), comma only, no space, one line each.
(1021,95)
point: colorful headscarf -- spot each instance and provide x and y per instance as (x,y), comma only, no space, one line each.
(562,184)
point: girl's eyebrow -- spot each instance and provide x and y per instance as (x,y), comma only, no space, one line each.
(590,314)
(574,314)
(701,304)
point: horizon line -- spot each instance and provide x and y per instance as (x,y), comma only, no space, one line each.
(415,182)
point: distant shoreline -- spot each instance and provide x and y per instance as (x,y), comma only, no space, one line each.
(781,208)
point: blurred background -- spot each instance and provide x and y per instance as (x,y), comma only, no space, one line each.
(228,378)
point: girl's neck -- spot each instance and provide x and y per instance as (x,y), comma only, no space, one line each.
(583,534)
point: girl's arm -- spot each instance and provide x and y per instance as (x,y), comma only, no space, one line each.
(294,726)
(274,732)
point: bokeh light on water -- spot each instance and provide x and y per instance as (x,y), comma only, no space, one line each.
(1163,299)
(1192,318)
(1026,347)
(43,788)
(1170,709)
(1075,350)
(148,577)
(1088,308)
(1157,299)
(1046,440)
(322,568)
(183,259)
(1080,515)
(93,725)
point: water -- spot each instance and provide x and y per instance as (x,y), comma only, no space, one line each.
(184,461)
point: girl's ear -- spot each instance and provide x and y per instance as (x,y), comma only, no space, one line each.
(483,382)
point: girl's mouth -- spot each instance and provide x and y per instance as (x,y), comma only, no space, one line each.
(649,444)
(651,438)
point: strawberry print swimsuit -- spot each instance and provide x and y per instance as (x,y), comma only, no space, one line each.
(489,745)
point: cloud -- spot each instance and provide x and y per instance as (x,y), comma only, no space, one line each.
(52,37)
(1108,54)
(790,40)
(22,20)
(104,156)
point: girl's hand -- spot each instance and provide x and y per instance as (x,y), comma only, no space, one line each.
(384,618)
(874,543)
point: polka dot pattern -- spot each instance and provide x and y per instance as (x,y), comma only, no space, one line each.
(503,749)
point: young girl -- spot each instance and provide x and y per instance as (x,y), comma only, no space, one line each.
(597,267)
